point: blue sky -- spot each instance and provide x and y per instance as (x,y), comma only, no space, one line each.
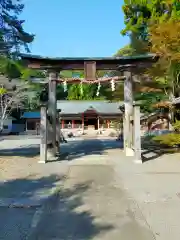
(74,28)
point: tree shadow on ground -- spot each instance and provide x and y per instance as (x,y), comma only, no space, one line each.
(153,153)
(69,151)
(29,151)
(30,187)
(19,201)
(89,147)
(67,217)
(63,216)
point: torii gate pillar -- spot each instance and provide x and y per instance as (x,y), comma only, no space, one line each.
(52,110)
(137,133)
(128,114)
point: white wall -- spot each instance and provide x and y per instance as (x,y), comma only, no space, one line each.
(7,122)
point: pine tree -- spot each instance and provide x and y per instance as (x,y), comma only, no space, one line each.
(12,33)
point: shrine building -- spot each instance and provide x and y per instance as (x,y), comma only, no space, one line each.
(77,114)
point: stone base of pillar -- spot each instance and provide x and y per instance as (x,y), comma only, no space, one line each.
(137,161)
(40,161)
(129,152)
(51,156)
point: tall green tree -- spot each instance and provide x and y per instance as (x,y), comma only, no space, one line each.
(12,34)
(139,15)
(153,26)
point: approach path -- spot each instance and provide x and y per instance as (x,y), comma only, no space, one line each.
(91,204)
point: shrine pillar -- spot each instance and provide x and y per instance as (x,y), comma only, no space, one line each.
(52,111)
(73,124)
(62,124)
(137,134)
(43,135)
(128,114)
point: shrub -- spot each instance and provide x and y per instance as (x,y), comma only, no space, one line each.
(170,139)
(176,126)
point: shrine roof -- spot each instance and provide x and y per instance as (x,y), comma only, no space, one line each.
(102,63)
(79,107)
(28,115)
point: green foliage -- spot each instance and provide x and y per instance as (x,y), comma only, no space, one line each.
(149,99)
(9,68)
(2,91)
(154,26)
(60,93)
(88,92)
(138,15)
(125,51)
(176,126)
(170,139)
(12,33)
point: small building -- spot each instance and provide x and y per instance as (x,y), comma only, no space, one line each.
(7,125)
(80,114)
(32,121)
(12,126)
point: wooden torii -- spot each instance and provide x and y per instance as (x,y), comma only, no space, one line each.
(125,65)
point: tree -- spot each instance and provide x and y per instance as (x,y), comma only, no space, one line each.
(153,27)
(9,68)
(13,75)
(12,33)
(165,41)
(139,15)
(125,51)
(11,99)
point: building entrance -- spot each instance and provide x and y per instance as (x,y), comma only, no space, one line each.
(91,123)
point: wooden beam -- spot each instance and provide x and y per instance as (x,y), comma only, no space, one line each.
(111,63)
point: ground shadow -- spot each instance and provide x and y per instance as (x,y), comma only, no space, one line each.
(30,187)
(60,218)
(69,150)
(28,151)
(89,147)
(19,201)
(153,152)
(67,219)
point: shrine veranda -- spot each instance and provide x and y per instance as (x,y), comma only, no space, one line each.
(131,111)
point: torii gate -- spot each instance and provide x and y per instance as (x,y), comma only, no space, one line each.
(125,65)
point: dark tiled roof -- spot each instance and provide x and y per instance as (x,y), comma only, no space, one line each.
(77,107)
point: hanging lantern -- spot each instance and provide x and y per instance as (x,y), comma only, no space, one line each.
(112,85)
(98,89)
(65,86)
